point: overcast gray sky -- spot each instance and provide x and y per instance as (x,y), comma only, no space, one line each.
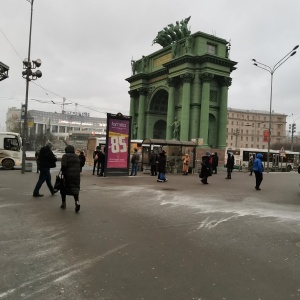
(86,48)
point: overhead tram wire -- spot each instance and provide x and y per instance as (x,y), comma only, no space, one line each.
(92,108)
(11,45)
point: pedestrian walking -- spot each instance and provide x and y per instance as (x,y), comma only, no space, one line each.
(206,168)
(37,153)
(185,164)
(101,163)
(215,162)
(161,168)
(47,160)
(70,168)
(258,171)
(134,162)
(82,160)
(153,159)
(250,165)
(96,160)
(229,165)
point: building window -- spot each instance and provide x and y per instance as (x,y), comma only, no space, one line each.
(247,131)
(246,145)
(241,138)
(263,146)
(246,138)
(213,96)
(211,49)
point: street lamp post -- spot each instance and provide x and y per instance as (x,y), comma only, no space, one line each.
(272,70)
(29,75)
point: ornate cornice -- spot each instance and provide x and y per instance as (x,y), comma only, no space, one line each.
(172,81)
(133,93)
(226,81)
(206,76)
(187,77)
(143,91)
(200,60)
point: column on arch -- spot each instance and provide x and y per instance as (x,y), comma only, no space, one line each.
(186,101)
(225,83)
(141,118)
(132,111)
(171,108)
(204,115)
(195,107)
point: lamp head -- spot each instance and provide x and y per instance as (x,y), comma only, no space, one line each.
(295,47)
(26,63)
(37,62)
(255,64)
(253,59)
(38,74)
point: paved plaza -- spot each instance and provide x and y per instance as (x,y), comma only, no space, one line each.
(137,239)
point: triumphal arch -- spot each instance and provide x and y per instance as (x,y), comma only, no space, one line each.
(181,91)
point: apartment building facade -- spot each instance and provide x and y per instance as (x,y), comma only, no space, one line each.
(247,128)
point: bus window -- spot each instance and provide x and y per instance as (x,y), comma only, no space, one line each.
(11,144)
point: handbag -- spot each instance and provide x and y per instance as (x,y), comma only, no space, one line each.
(59,181)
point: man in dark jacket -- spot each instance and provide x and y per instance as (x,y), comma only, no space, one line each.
(229,165)
(215,162)
(153,160)
(101,164)
(70,168)
(47,160)
(96,160)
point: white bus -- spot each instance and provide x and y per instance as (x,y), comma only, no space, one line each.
(10,150)
(278,159)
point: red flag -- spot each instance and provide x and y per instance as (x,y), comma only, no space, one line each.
(266,135)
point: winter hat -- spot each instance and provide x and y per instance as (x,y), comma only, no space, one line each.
(49,144)
(70,149)
(208,153)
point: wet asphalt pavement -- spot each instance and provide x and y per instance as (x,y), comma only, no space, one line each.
(137,239)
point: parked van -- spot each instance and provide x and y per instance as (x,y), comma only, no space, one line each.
(10,150)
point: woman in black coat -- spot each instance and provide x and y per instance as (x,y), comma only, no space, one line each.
(70,167)
(205,168)
(161,168)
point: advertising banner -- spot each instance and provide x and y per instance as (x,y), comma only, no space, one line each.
(118,132)
(266,135)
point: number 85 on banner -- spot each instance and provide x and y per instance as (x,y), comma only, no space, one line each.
(118,144)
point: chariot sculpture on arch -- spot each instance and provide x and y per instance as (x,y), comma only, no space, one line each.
(173,33)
